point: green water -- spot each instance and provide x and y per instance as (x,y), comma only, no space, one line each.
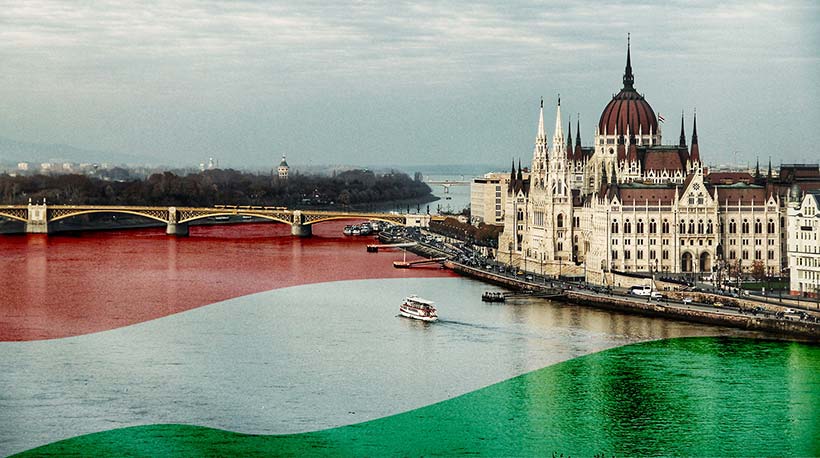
(690,397)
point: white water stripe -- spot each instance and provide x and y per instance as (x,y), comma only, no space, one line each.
(295,359)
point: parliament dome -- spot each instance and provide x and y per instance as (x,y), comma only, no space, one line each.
(628,109)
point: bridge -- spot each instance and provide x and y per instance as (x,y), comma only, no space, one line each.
(37,217)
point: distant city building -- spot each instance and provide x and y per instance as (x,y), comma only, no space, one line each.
(488,196)
(283,168)
(804,245)
(630,203)
(23,166)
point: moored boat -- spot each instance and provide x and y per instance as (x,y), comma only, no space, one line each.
(348,230)
(493,296)
(418,309)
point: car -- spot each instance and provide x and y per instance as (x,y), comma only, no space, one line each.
(489,267)
(529,277)
(687,300)
(655,295)
(718,304)
(789,311)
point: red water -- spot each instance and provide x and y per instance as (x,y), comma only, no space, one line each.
(65,285)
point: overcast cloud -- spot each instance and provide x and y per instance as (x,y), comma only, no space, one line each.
(399,83)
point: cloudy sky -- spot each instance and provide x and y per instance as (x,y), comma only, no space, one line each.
(400,83)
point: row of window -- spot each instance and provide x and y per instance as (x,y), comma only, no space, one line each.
(745,255)
(808,262)
(692,227)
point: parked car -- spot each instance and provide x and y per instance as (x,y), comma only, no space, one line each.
(718,304)
(687,300)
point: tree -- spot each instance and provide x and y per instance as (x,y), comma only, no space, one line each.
(758,270)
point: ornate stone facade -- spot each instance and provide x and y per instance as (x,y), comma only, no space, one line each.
(630,203)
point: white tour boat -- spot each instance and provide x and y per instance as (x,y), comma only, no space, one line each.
(418,309)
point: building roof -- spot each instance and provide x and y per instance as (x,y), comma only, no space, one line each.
(741,192)
(664,158)
(726,178)
(641,194)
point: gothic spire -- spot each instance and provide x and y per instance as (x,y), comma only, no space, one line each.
(569,136)
(757,168)
(769,175)
(629,79)
(512,177)
(694,154)
(541,133)
(520,176)
(558,136)
(578,131)
(682,134)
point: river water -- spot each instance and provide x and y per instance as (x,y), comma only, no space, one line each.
(246,329)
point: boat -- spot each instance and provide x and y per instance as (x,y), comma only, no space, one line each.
(493,296)
(418,309)
(348,230)
(356,230)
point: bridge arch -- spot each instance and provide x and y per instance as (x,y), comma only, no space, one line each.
(70,214)
(12,216)
(398,220)
(278,219)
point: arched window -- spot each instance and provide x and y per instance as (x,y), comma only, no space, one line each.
(614,226)
(758,226)
(665,226)
(560,221)
(732,226)
(691,226)
(771,226)
(700,226)
(709,227)
(639,227)
(745,227)
(627,227)
(653,226)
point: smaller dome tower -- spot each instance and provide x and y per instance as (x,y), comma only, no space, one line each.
(283,168)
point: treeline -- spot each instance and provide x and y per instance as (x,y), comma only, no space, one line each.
(483,234)
(214,187)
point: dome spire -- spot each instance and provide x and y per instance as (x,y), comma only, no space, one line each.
(682,134)
(629,79)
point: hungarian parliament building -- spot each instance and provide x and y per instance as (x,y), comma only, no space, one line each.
(632,203)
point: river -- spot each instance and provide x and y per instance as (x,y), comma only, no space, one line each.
(245,329)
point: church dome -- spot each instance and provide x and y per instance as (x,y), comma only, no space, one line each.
(628,109)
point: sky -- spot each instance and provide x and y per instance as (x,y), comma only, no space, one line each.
(393,83)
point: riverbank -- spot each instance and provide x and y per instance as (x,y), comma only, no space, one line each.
(741,318)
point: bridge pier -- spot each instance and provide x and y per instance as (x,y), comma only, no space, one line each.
(177,229)
(37,222)
(301,230)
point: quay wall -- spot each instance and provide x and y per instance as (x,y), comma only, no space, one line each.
(796,329)
(793,328)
